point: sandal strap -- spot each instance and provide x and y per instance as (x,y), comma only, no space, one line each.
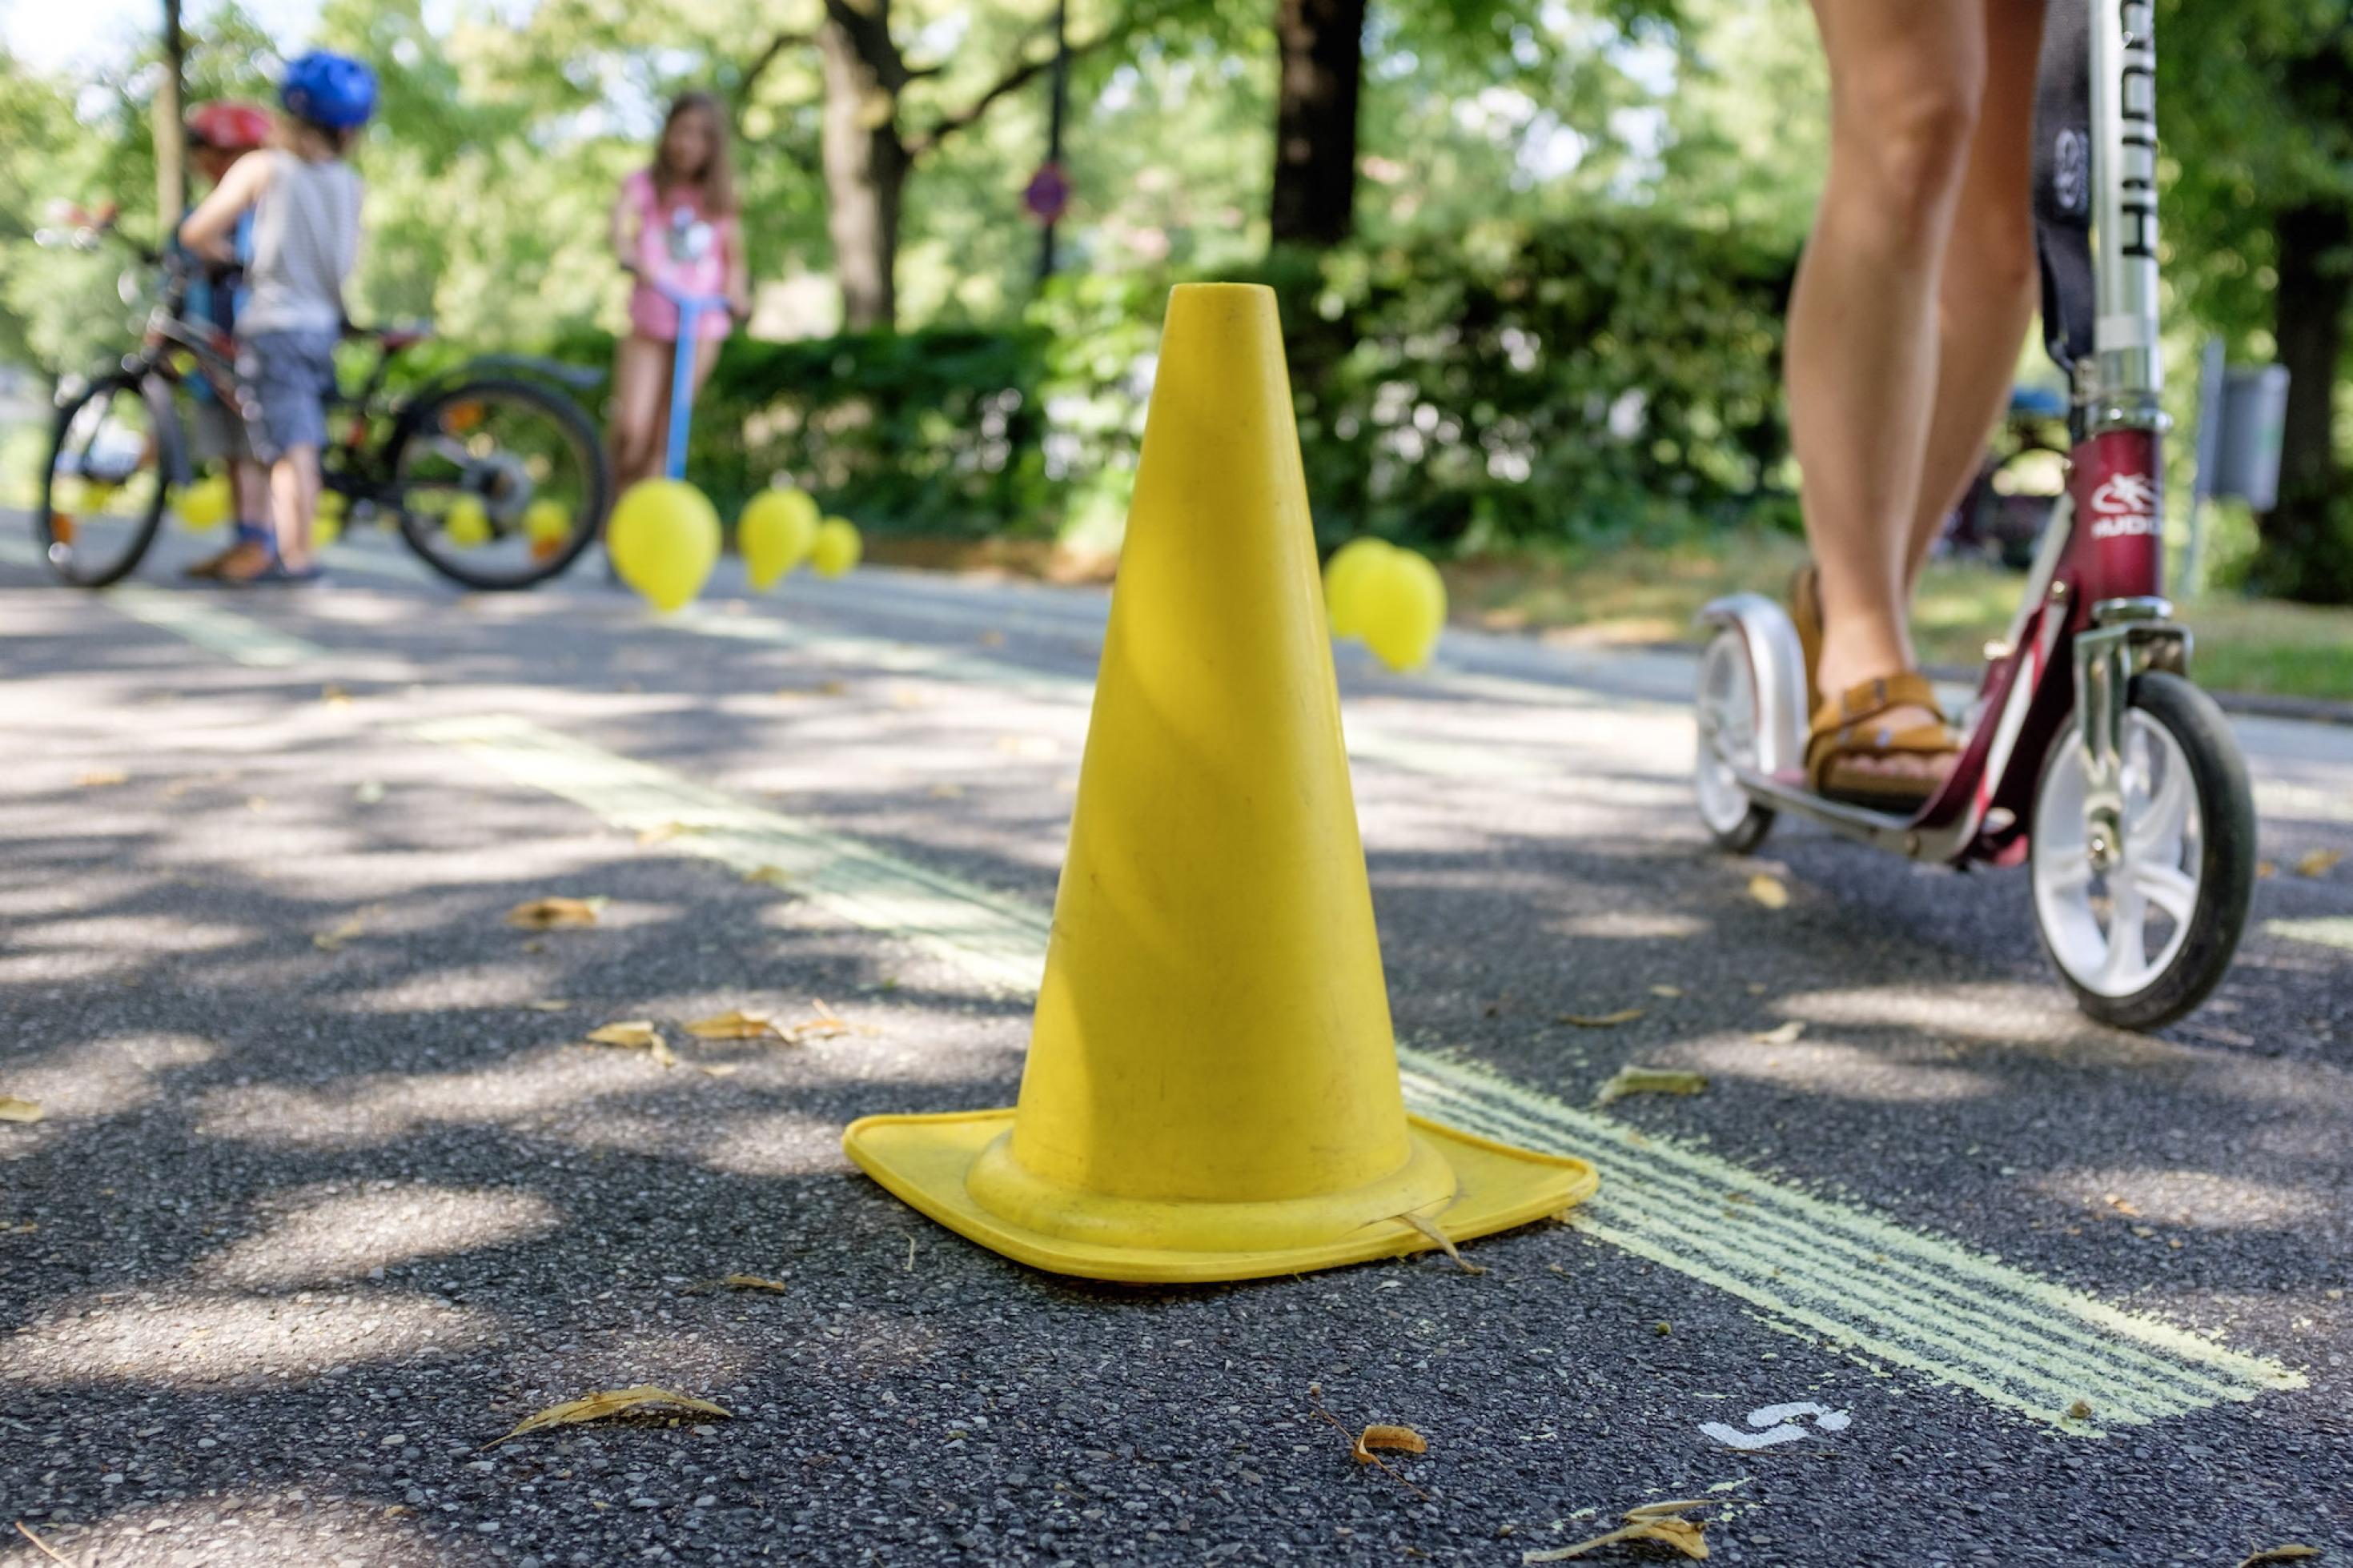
(1869,699)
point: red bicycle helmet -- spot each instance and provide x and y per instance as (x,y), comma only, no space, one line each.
(229,126)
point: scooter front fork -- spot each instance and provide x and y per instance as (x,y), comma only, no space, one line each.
(2126,636)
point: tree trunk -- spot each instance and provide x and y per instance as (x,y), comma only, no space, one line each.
(2306,541)
(865,160)
(1322,46)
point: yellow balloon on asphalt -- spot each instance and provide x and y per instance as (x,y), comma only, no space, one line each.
(836,547)
(1402,604)
(776,534)
(1344,577)
(468,526)
(327,522)
(664,540)
(206,503)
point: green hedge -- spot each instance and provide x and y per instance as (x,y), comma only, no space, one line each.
(1577,382)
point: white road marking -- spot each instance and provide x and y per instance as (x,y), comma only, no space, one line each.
(1867,1284)
(186,616)
(1776,1423)
(2328,930)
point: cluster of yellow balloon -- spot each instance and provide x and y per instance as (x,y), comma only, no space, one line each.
(837,547)
(1392,598)
(775,534)
(204,504)
(468,523)
(547,523)
(664,540)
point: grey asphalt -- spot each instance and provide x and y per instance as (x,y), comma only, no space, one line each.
(308,1223)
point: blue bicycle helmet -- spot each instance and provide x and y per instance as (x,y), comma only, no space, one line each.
(329,89)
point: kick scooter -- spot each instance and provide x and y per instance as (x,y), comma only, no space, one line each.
(691,309)
(2088,755)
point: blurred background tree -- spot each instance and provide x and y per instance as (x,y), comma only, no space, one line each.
(1532,252)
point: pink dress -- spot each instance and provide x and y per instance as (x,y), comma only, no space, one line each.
(682,245)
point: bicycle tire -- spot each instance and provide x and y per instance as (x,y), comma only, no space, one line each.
(417,417)
(59,554)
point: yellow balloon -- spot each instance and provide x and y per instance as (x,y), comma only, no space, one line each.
(1343,576)
(327,522)
(547,521)
(206,503)
(468,526)
(1401,604)
(775,534)
(837,547)
(664,539)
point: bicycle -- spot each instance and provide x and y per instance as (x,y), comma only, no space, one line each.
(494,475)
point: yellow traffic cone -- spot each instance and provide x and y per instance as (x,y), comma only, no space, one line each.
(1212,1088)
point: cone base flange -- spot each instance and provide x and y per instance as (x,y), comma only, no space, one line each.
(923,1160)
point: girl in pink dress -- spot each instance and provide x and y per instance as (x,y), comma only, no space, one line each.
(675,222)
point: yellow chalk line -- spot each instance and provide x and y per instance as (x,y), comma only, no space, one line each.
(1909,1300)
(2326,930)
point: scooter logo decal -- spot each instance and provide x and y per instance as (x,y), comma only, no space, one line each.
(1779,1424)
(2124,507)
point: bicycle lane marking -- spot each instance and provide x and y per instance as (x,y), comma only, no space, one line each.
(191,618)
(1872,1288)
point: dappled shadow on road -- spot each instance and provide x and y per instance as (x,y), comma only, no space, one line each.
(344,1206)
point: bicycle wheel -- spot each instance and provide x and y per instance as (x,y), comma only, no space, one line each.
(500,484)
(103,493)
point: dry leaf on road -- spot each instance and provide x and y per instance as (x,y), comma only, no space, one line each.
(1669,992)
(773,875)
(661,831)
(635,1035)
(750,1282)
(102,778)
(2317,862)
(2281,1555)
(15,1109)
(1780,1034)
(329,941)
(549,1004)
(1602,1020)
(1439,1238)
(644,1399)
(1768,892)
(1657,1521)
(545,914)
(736,1024)
(1649,1081)
(1396,1440)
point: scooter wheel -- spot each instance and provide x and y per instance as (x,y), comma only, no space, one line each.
(2145,941)
(1727,740)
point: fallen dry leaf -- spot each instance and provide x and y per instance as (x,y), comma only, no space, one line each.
(635,1035)
(15,1109)
(2317,862)
(773,875)
(1668,992)
(1439,1238)
(329,941)
(644,1399)
(661,831)
(102,778)
(736,1024)
(2267,870)
(1602,1020)
(549,1004)
(545,914)
(719,1069)
(832,688)
(2080,1411)
(2280,1554)
(1649,1081)
(947,791)
(750,1282)
(1780,1034)
(369,793)
(1396,1440)
(1364,1455)
(335,696)
(256,802)
(825,1026)
(48,1550)
(1768,892)
(1657,1521)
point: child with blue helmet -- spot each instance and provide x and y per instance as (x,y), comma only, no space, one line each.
(305,203)
(220,133)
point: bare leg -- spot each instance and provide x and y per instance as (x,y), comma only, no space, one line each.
(249,484)
(294,494)
(1905,83)
(640,393)
(1989,289)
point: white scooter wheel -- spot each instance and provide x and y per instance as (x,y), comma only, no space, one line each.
(1727,738)
(2146,941)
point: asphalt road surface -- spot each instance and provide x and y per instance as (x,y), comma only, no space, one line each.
(328,1193)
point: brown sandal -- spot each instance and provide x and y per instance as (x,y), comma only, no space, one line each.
(1842,733)
(1806,614)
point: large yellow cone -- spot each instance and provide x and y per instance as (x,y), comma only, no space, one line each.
(1212,1088)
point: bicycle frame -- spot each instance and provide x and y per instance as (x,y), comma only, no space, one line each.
(2093,613)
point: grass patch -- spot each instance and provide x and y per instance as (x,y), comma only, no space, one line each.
(1632,595)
